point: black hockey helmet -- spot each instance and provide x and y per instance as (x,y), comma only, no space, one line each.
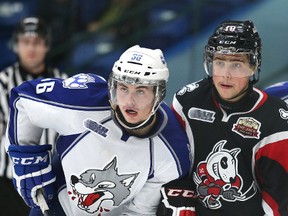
(233,37)
(32,26)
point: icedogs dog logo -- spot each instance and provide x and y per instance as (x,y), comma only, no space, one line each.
(78,81)
(95,186)
(217,178)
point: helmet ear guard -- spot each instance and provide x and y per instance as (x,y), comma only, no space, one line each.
(235,37)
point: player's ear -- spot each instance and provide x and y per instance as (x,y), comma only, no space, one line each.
(13,45)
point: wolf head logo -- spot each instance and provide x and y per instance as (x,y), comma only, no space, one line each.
(95,186)
(78,81)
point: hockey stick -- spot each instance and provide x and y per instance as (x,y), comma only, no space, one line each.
(42,203)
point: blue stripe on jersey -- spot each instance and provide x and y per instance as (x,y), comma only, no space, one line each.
(176,140)
(66,106)
(66,143)
(57,168)
(12,130)
(173,153)
(151,169)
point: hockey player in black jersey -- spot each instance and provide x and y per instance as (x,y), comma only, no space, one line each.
(238,133)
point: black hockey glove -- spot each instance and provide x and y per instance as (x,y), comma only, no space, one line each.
(178,199)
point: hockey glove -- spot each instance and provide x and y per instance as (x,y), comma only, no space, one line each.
(178,199)
(231,194)
(32,171)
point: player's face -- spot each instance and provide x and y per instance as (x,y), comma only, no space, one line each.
(31,51)
(231,74)
(135,101)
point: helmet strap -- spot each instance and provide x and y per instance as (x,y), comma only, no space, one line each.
(255,77)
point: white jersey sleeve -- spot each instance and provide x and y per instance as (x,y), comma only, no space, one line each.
(53,103)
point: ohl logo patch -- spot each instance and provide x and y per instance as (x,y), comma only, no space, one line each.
(96,127)
(247,127)
(201,114)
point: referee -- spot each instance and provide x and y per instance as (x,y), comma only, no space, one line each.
(31,41)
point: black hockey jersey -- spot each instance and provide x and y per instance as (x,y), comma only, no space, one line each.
(240,152)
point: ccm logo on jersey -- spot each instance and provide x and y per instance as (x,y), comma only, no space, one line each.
(38,160)
(201,114)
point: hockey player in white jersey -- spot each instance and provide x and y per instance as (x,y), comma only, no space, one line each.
(118,141)
(278,89)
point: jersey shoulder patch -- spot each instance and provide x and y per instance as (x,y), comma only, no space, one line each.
(79,90)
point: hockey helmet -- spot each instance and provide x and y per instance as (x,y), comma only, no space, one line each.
(140,66)
(32,26)
(235,37)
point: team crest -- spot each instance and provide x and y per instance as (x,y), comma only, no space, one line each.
(218,180)
(98,190)
(188,88)
(247,127)
(78,81)
(283,114)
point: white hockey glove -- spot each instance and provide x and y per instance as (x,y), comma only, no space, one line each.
(32,171)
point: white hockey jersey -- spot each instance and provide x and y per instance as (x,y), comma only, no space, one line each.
(106,170)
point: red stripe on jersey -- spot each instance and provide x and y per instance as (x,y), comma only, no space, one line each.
(187,213)
(271,202)
(276,151)
(264,95)
(182,122)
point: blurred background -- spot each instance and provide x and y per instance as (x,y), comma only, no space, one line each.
(90,35)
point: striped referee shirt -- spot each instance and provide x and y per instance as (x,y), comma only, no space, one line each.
(11,77)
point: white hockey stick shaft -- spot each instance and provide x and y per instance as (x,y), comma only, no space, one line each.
(42,203)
